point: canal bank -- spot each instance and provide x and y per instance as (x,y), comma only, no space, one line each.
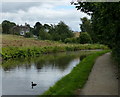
(76,79)
(17,52)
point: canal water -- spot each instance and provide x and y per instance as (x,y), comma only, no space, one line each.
(44,70)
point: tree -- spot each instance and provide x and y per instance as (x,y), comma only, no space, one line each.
(47,27)
(63,31)
(7,27)
(44,35)
(85,38)
(105,22)
(37,28)
(86,25)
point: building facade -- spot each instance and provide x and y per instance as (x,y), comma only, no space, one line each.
(21,30)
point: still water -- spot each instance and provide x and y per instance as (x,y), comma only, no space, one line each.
(44,70)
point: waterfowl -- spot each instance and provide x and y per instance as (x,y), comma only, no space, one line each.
(33,84)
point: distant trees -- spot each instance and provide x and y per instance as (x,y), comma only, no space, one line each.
(43,34)
(60,32)
(37,28)
(64,31)
(57,32)
(7,27)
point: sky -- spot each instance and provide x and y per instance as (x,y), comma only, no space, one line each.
(43,11)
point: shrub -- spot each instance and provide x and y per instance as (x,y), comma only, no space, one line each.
(85,38)
(71,40)
(28,35)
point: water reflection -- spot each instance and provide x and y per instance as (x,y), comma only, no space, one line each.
(53,60)
(44,70)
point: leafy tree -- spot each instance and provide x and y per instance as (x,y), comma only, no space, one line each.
(85,38)
(63,31)
(105,22)
(37,28)
(57,32)
(7,27)
(44,35)
(86,25)
(47,27)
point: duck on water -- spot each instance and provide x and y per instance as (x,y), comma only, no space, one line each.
(33,84)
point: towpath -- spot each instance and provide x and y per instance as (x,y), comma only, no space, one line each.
(102,79)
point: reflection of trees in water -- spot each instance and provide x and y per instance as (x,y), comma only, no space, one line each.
(19,63)
(59,61)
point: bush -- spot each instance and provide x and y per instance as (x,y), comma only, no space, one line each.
(85,38)
(28,35)
(71,40)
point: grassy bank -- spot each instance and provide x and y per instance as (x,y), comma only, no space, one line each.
(14,46)
(15,52)
(20,41)
(76,79)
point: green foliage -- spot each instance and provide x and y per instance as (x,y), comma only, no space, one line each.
(43,35)
(16,52)
(57,32)
(28,35)
(7,27)
(60,32)
(37,28)
(76,78)
(71,40)
(105,22)
(86,25)
(64,31)
(85,38)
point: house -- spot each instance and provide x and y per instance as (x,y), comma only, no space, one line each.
(21,30)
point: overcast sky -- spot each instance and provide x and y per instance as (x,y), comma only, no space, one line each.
(44,11)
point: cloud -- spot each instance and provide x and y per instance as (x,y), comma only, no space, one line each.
(15,6)
(44,12)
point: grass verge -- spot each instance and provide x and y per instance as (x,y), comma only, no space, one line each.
(76,78)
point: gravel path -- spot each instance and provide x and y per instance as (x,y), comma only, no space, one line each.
(102,80)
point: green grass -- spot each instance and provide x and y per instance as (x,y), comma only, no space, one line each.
(76,78)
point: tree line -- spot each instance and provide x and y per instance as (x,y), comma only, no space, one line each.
(60,32)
